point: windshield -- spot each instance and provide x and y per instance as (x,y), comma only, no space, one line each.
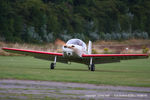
(77,42)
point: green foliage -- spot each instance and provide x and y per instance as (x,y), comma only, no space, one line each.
(94,51)
(145,50)
(45,20)
(125,36)
(106,50)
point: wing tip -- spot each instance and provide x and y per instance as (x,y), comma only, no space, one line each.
(3,48)
(32,51)
(112,55)
(6,48)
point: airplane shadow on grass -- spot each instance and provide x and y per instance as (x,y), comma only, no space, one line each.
(68,69)
(63,69)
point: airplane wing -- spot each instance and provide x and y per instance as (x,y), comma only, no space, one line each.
(85,59)
(109,58)
(38,54)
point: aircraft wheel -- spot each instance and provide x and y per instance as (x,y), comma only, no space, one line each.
(52,66)
(89,67)
(92,67)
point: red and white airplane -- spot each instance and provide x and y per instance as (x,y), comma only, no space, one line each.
(75,50)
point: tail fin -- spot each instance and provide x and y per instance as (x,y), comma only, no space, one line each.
(90,47)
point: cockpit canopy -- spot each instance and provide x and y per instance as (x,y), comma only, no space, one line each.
(77,42)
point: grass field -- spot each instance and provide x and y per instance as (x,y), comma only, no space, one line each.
(127,73)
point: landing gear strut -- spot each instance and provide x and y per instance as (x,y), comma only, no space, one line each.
(91,66)
(52,66)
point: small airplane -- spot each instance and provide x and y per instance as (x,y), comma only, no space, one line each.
(75,50)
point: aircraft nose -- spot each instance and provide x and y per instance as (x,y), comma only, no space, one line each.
(68,50)
(69,54)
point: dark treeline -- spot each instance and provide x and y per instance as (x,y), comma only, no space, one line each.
(40,21)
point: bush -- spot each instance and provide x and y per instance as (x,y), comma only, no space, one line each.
(144,35)
(125,36)
(145,50)
(79,36)
(137,35)
(106,50)
(49,37)
(94,36)
(94,51)
(107,36)
(113,36)
(140,35)
(118,36)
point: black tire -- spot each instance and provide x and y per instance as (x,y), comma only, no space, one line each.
(52,66)
(89,67)
(92,67)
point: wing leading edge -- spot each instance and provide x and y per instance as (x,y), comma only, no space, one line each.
(30,52)
(97,58)
(115,55)
(109,58)
(38,54)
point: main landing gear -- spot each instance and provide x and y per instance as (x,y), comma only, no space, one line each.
(91,66)
(52,65)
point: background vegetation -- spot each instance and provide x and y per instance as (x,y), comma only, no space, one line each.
(38,21)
